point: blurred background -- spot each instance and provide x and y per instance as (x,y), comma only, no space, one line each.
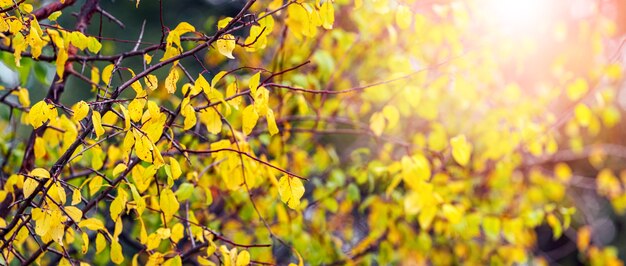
(516,25)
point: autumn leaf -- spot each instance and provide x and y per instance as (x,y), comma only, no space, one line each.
(291,190)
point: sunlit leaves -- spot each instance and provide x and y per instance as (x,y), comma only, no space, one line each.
(434,133)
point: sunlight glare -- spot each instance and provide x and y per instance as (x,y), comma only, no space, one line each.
(517,16)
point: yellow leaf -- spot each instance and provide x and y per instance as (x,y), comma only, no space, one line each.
(461,149)
(271,122)
(583,114)
(126,118)
(253,84)
(175,261)
(231,92)
(153,241)
(75,213)
(101,243)
(190,117)
(577,89)
(118,205)
(491,225)
(29,186)
(217,78)
(117,256)
(76,197)
(151,81)
(95,184)
(169,204)
(452,214)
(80,109)
(223,22)
(415,170)
(40,113)
(327,14)
(171,80)
(62,57)
(225,45)
(106,74)
(135,109)
(85,246)
(243,258)
(201,84)
(97,123)
(143,146)
(23,97)
(183,28)
(57,193)
(291,190)
(553,222)
(212,120)
(92,224)
(136,86)
(583,238)
(404,17)
(40,172)
(563,172)
(148,59)
(377,123)
(54,15)
(93,45)
(40,148)
(178,231)
(250,118)
(175,168)
(164,233)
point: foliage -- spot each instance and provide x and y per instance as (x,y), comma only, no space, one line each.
(304,132)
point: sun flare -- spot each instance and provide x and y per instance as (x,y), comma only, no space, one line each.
(516,16)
